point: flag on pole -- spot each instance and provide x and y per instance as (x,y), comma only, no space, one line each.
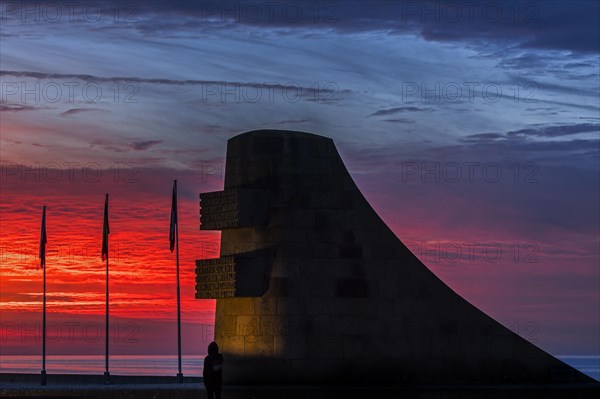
(43,240)
(105,231)
(173,217)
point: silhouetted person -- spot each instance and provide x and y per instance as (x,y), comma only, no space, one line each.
(213,371)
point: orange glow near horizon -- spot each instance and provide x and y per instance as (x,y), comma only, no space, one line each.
(142,269)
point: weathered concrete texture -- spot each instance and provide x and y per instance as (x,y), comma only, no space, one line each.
(346,300)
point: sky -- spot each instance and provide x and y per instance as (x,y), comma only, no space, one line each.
(471,127)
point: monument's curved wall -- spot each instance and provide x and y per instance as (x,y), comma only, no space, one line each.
(319,289)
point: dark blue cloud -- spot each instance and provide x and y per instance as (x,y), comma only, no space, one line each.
(144,145)
(400,120)
(535,24)
(395,110)
(76,111)
(556,131)
(552,131)
(553,25)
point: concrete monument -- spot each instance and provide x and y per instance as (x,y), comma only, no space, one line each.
(313,287)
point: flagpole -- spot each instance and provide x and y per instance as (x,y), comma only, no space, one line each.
(106,372)
(105,236)
(44,333)
(43,376)
(180,374)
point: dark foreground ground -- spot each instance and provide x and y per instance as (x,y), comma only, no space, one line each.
(27,386)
